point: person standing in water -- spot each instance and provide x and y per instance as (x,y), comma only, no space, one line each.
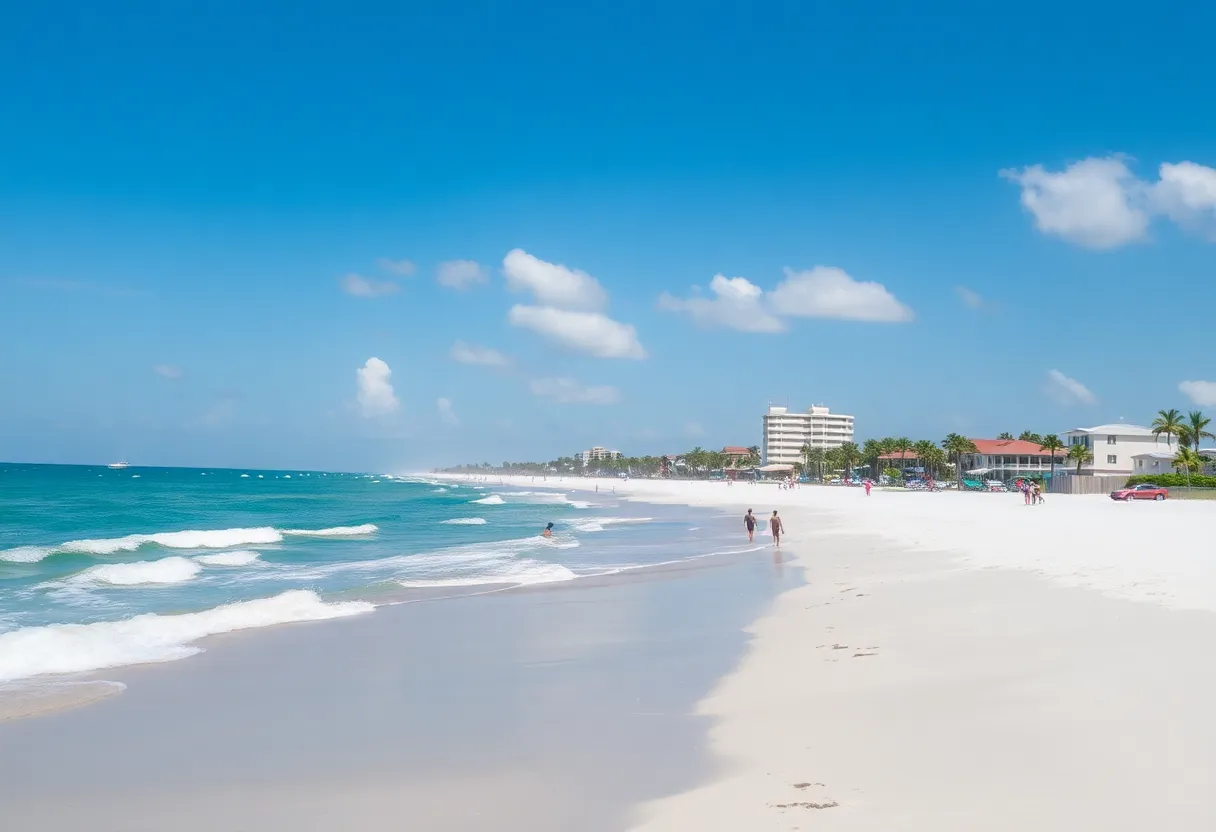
(775,526)
(749,522)
(548,532)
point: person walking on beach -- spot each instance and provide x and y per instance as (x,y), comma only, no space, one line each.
(867,488)
(749,522)
(774,525)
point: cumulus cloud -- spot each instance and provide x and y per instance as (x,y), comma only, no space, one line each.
(1097,203)
(569,391)
(1202,393)
(446,413)
(375,392)
(1186,193)
(472,354)
(360,287)
(1100,203)
(401,268)
(737,304)
(1068,390)
(460,274)
(589,332)
(829,292)
(552,284)
(168,371)
(970,298)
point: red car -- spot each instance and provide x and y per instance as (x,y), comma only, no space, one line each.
(1144,491)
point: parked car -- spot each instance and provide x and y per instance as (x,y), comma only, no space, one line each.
(1143,491)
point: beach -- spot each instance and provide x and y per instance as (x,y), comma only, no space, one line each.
(908,661)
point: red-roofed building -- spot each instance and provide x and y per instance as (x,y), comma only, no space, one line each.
(735,454)
(1008,459)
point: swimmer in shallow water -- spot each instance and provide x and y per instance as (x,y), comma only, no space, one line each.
(548,532)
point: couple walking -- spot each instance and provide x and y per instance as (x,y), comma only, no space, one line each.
(774,523)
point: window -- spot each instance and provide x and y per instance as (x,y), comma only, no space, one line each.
(1110,440)
(1111,459)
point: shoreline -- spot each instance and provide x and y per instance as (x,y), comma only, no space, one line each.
(556,707)
(964,662)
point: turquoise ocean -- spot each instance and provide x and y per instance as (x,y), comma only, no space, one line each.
(103,568)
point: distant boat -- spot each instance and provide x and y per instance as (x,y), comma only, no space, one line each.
(119,465)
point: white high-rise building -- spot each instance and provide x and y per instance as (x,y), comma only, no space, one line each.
(785,433)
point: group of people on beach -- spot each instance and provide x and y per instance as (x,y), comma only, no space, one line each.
(750,521)
(1032,492)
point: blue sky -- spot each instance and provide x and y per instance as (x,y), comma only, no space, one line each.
(185,195)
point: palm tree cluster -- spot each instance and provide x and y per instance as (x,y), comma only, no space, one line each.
(1189,433)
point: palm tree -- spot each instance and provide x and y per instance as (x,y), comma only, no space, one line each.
(924,450)
(1081,454)
(902,446)
(1168,422)
(753,455)
(817,456)
(850,455)
(1196,429)
(1005,435)
(957,446)
(1188,459)
(870,452)
(832,458)
(1051,443)
(934,458)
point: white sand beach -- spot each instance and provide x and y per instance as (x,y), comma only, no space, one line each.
(962,661)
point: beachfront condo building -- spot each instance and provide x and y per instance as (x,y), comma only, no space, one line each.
(1115,447)
(786,432)
(597,454)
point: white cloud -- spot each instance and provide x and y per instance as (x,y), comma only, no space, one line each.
(737,304)
(588,332)
(552,284)
(376,396)
(970,298)
(569,391)
(1200,392)
(446,413)
(829,292)
(361,287)
(1068,390)
(473,354)
(1186,193)
(401,268)
(168,371)
(460,274)
(1097,203)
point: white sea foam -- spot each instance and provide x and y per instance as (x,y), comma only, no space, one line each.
(514,573)
(194,539)
(336,531)
(598,524)
(213,539)
(465,521)
(73,648)
(240,557)
(492,500)
(438,490)
(244,476)
(174,570)
(25,554)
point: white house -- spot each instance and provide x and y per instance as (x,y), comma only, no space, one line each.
(1154,462)
(1115,447)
